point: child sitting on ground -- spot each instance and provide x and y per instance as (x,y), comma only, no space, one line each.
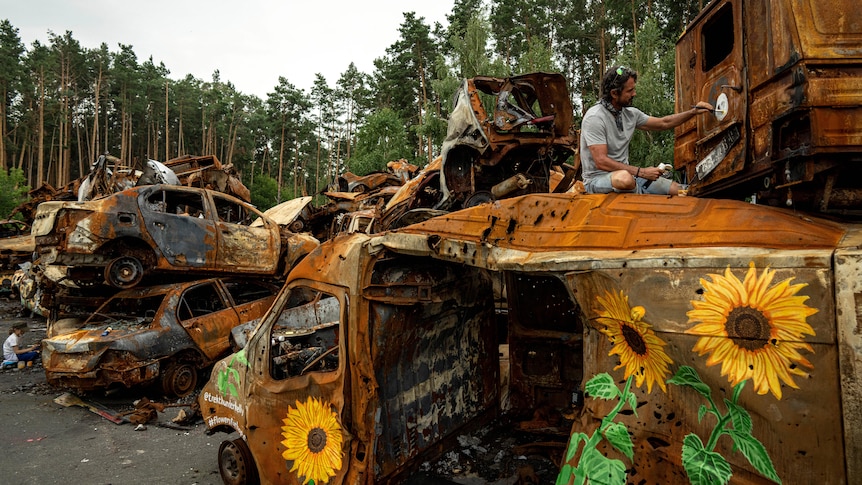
(12,351)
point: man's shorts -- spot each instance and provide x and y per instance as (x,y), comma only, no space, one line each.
(602,185)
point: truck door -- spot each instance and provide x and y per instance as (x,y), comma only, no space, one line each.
(297,407)
(433,343)
(710,66)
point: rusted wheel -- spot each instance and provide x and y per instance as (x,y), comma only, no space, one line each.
(235,463)
(179,379)
(124,272)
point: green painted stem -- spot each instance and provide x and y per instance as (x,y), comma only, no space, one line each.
(607,420)
(717,431)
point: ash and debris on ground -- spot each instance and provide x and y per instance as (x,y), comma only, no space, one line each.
(499,454)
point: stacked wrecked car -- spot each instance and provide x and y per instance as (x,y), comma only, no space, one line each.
(143,286)
(163,334)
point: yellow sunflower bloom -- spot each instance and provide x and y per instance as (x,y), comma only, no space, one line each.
(753,329)
(312,441)
(640,350)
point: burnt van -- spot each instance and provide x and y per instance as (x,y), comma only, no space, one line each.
(681,340)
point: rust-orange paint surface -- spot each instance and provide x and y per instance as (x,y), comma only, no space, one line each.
(625,221)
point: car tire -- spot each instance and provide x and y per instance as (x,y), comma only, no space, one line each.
(178,379)
(124,272)
(236,464)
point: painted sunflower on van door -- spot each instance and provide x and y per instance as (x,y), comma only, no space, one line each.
(640,350)
(641,353)
(753,328)
(313,441)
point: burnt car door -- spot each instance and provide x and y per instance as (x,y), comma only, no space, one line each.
(177,222)
(251,299)
(241,246)
(208,317)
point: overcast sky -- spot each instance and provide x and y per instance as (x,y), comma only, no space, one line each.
(250,42)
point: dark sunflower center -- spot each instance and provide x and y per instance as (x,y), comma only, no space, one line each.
(747,327)
(634,340)
(316,440)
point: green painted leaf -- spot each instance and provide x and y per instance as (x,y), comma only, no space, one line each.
(602,470)
(602,386)
(755,452)
(618,436)
(580,477)
(633,402)
(574,443)
(687,376)
(221,381)
(566,472)
(703,467)
(739,416)
(240,356)
(692,443)
(737,390)
(701,412)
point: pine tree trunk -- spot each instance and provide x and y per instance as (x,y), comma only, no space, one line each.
(167,126)
(80,150)
(3,129)
(181,149)
(94,141)
(317,168)
(295,167)
(40,160)
(421,100)
(123,132)
(280,161)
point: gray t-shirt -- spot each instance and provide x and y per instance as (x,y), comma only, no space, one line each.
(599,128)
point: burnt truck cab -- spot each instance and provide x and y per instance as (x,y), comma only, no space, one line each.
(385,358)
(699,331)
(784,77)
(160,228)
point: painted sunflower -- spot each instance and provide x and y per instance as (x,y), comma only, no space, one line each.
(313,441)
(640,350)
(753,328)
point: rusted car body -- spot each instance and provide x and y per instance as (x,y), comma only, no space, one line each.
(784,75)
(380,349)
(165,333)
(506,150)
(350,182)
(161,228)
(208,172)
(504,136)
(109,175)
(16,244)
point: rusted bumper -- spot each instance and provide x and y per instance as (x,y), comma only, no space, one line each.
(98,369)
(103,377)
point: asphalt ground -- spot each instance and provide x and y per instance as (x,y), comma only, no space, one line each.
(42,442)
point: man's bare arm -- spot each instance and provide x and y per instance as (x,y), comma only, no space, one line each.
(674,120)
(606,163)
